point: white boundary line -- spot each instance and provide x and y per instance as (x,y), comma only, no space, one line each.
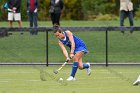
(7,80)
(3,81)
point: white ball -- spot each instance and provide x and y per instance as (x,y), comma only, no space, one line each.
(61,79)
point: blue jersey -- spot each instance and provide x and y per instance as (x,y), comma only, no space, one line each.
(79,43)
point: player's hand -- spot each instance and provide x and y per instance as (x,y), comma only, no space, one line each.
(68,59)
(14,9)
(35,11)
(71,55)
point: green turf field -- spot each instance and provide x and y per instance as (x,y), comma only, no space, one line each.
(27,48)
(76,23)
(26,79)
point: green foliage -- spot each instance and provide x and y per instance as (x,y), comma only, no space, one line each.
(138,13)
(3,13)
(106,17)
(24,10)
(97,7)
(74,9)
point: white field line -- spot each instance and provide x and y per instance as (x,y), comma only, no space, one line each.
(34,80)
(104,72)
(3,81)
(38,80)
(102,78)
(8,80)
(16,71)
(118,72)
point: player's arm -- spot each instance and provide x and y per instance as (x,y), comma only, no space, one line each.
(70,36)
(63,50)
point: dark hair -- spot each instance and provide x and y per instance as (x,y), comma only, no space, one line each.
(57,28)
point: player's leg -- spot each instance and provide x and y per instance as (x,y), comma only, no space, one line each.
(84,66)
(76,58)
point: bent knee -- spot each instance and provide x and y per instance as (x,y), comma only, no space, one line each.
(75,59)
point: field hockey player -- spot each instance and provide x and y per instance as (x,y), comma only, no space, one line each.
(77,50)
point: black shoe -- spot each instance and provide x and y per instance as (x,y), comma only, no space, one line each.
(122,29)
(21,33)
(122,32)
(131,29)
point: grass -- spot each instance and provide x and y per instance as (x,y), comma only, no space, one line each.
(27,48)
(116,79)
(76,23)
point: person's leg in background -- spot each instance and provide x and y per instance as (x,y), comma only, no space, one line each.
(53,18)
(57,18)
(130,16)
(35,23)
(10,19)
(17,17)
(31,19)
(10,23)
(31,22)
(20,23)
(122,17)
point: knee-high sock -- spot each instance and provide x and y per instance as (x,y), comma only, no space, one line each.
(74,69)
(85,65)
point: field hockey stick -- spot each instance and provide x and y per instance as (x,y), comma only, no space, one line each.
(56,71)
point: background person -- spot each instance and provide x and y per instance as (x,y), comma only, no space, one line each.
(56,7)
(32,9)
(126,10)
(14,12)
(77,50)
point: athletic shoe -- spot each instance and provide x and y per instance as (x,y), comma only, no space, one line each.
(131,29)
(122,29)
(88,69)
(137,82)
(71,78)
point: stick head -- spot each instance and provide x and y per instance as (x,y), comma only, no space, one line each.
(55,71)
(43,75)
